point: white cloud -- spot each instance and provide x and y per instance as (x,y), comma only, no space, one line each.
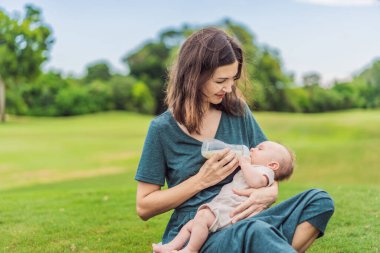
(342,2)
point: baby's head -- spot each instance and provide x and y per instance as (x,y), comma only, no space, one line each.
(274,156)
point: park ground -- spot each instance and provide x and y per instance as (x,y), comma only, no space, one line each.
(67,184)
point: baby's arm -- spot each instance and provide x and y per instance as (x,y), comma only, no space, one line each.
(254,177)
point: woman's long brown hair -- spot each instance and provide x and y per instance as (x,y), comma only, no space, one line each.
(200,55)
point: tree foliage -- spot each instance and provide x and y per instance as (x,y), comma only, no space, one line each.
(24,45)
(368,83)
(98,71)
(148,65)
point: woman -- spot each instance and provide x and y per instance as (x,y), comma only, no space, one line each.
(203,103)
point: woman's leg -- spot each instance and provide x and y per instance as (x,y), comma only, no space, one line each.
(273,230)
(304,236)
(248,236)
(313,220)
(313,206)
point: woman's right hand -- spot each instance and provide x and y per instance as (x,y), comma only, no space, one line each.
(218,167)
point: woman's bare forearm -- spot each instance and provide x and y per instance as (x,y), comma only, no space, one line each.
(153,201)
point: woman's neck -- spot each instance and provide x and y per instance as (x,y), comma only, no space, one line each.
(207,108)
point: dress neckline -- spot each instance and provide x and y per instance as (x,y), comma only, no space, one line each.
(174,122)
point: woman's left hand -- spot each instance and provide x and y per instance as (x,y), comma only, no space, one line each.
(258,200)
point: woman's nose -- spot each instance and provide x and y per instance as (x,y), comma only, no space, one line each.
(228,87)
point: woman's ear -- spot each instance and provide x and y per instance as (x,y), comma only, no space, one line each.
(273,165)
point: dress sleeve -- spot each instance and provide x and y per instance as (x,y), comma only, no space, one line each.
(266,172)
(255,134)
(152,165)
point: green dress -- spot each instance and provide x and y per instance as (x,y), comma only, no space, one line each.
(170,154)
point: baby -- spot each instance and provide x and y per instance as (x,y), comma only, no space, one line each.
(268,161)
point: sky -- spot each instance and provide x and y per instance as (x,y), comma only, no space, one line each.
(336,38)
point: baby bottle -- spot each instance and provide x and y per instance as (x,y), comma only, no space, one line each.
(212,146)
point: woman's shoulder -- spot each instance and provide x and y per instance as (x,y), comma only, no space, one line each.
(247,110)
(245,113)
(162,121)
(165,128)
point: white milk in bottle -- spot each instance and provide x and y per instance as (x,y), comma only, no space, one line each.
(212,146)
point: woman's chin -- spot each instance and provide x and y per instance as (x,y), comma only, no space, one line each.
(216,101)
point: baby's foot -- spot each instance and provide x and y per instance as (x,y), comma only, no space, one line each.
(161,248)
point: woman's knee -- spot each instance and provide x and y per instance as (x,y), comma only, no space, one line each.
(262,233)
(323,200)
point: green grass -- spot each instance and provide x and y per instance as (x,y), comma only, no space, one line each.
(66,184)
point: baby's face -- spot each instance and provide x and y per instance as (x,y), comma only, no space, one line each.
(264,153)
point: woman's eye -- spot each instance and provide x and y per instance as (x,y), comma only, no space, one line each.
(220,82)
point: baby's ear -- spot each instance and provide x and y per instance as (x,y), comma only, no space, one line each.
(274,165)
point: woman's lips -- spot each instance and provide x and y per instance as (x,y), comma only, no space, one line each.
(220,95)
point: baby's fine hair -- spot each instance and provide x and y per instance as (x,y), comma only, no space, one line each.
(286,166)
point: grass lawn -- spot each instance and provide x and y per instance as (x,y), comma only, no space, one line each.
(66,184)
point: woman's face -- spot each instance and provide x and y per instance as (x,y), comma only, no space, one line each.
(220,83)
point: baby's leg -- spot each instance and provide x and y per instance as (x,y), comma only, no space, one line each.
(200,230)
(178,242)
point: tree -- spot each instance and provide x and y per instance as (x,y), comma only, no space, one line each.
(40,96)
(148,65)
(350,95)
(150,62)
(24,45)
(368,84)
(98,71)
(311,79)
(274,81)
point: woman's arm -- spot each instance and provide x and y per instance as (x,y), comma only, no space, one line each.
(258,200)
(151,200)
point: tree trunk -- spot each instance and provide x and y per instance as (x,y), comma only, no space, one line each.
(2,100)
